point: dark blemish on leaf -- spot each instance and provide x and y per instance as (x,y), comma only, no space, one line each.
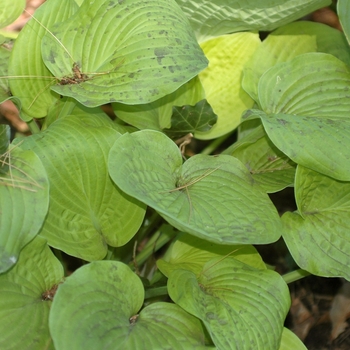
(154,92)
(133,319)
(149,35)
(178,41)
(120,2)
(131,75)
(161,53)
(282,121)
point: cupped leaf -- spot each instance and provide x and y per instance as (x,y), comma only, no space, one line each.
(146,50)
(237,303)
(210,197)
(274,49)
(219,17)
(26,293)
(222,80)
(87,211)
(157,115)
(104,314)
(343,7)
(271,168)
(191,253)
(317,235)
(190,119)
(10,10)
(24,201)
(29,78)
(305,102)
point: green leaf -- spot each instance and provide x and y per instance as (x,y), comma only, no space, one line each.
(219,17)
(237,303)
(191,253)
(29,78)
(24,201)
(102,313)
(87,211)
(146,50)
(222,80)
(290,341)
(274,49)
(189,119)
(26,292)
(209,197)
(5,133)
(4,84)
(10,10)
(343,9)
(305,102)
(269,167)
(157,115)
(317,235)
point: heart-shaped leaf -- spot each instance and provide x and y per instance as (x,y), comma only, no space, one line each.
(209,197)
(26,292)
(146,50)
(237,303)
(298,123)
(24,201)
(317,235)
(102,300)
(191,253)
(87,211)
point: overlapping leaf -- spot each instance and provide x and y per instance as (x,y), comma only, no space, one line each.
(238,304)
(87,211)
(343,7)
(26,292)
(24,201)
(214,198)
(317,235)
(306,101)
(146,50)
(102,300)
(218,17)
(10,11)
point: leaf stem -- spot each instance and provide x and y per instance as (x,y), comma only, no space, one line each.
(33,127)
(295,275)
(215,144)
(156,292)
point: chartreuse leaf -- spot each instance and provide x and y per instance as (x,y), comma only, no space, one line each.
(343,7)
(87,211)
(237,303)
(4,61)
(5,133)
(102,302)
(219,17)
(190,119)
(317,235)
(10,10)
(328,39)
(191,253)
(222,80)
(210,197)
(146,50)
(24,201)
(304,102)
(29,78)
(157,115)
(271,168)
(290,341)
(274,49)
(26,292)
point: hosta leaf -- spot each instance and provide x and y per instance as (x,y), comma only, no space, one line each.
(87,211)
(191,253)
(271,168)
(218,17)
(30,80)
(10,10)
(290,341)
(237,303)
(146,50)
(104,314)
(222,80)
(209,197)
(190,119)
(24,201)
(306,101)
(26,292)
(317,235)
(5,133)
(157,115)
(4,61)
(343,7)
(274,49)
